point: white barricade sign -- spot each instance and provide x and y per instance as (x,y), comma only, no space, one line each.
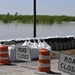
(23,53)
(67,63)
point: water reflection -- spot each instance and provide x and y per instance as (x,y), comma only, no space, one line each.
(19,30)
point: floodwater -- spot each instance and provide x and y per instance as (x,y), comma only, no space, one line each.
(19,30)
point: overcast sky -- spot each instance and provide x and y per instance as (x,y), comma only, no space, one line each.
(44,7)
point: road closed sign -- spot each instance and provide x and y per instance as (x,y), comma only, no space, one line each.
(23,53)
(67,64)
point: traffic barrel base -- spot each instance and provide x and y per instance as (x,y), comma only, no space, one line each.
(47,73)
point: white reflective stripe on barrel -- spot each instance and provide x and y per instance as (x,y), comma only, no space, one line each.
(44,65)
(3,52)
(4,58)
(44,57)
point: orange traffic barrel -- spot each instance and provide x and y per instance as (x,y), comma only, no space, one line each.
(44,61)
(4,57)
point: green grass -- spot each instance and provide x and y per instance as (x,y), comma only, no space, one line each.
(69,52)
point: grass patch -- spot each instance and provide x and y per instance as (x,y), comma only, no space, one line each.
(69,52)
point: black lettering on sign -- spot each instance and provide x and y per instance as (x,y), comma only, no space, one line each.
(73,61)
(67,67)
(66,59)
(69,60)
(27,57)
(23,56)
(22,50)
(62,65)
(18,55)
(72,69)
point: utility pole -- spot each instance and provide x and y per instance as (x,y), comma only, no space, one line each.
(34,27)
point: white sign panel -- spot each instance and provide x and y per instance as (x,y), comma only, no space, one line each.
(67,64)
(23,53)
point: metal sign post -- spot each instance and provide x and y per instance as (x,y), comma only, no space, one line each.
(34,27)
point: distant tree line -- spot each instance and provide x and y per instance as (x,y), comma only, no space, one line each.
(44,19)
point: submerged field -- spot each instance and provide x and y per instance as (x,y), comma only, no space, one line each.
(40,19)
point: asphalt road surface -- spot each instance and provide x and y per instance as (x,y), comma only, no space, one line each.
(28,68)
